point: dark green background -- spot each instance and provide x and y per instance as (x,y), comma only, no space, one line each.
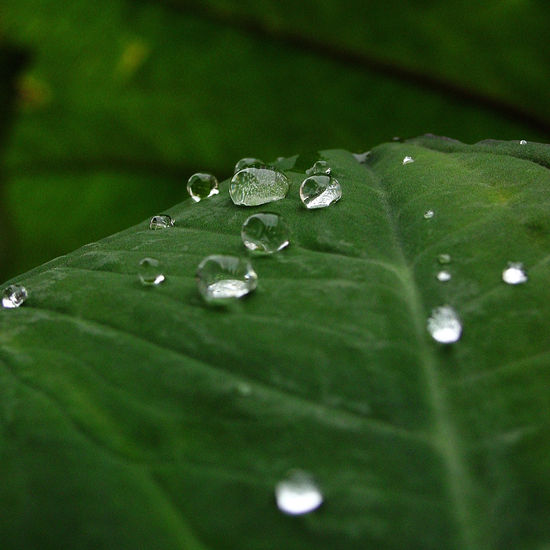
(108,106)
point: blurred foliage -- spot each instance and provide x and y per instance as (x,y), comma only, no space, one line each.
(122,100)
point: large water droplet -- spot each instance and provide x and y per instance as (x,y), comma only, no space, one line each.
(14,296)
(407,160)
(514,274)
(222,279)
(522,142)
(254,186)
(320,191)
(298,493)
(321,167)
(201,186)
(249,162)
(150,272)
(265,233)
(444,259)
(162,221)
(443,276)
(444,325)
(429,214)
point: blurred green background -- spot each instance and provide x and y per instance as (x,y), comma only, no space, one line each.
(108,106)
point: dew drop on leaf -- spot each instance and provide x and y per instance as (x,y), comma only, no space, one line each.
(444,325)
(14,296)
(429,214)
(254,186)
(222,279)
(407,160)
(320,191)
(162,221)
(362,158)
(444,259)
(514,274)
(265,233)
(443,276)
(150,272)
(297,493)
(202,186)
(522,142)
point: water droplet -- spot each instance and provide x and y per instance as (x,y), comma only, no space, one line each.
(407,160)
(444,259)
(321,167)
(222,279)
(320,191)
(201,186)
(249,163)
(444,325)
(397,138)
(429,214)
(254,186)
(298,493)
(162,221)
(265,233)
(514,274)
(362,157)
(522,142)
(443,276)
(14,296)
(150,272)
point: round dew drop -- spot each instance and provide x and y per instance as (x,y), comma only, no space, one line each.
(444,325)
(161,221)
(150,273)
(297,494)
(407,160)
(443,276)
(265,233)
(514,274)
(320,191)
(14,296)
(202,186)
(444,259)
(429,214)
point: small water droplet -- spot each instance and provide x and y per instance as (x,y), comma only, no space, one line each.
(14,296)
(265,233)
(249,162)
(522,142)
(162,221)
(297,493)
(444,325)
(397,138)
(444,259)
(362,158)
(254,186)
(407,160)
(321,167)
(443,276)
(202,186)
(222,279)
(514,274)
(429,214)
(320,191)
(150,272)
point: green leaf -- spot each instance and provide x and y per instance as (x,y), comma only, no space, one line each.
(142,418)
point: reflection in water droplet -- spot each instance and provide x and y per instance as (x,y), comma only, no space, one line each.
(429,214)
(14,296)
(320,191)
(254,186)
(222,279)
(522,142)
(202,186)
(514,274)
(408,160)
(265,233)
(444,325)
(362,157)
(321,167)
(162,221)
(298,493)
(443,276)
(444,259)
(249,162)
(150,272)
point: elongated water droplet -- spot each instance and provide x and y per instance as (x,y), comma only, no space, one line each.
(522,142)
(444,325)
(202,186)
(443,276)
(407,160)
(362,157)
(14,296)
(321,167)
(150,272)
(162,221)
(444,259)
(249,162)
(429,214)
(265,233)
(320,191)
(254,186)
(222,279)
(514,274)
(298,493)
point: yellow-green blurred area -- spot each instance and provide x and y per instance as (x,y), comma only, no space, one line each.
(108,106)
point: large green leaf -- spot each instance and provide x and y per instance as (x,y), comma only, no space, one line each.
(142,418)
